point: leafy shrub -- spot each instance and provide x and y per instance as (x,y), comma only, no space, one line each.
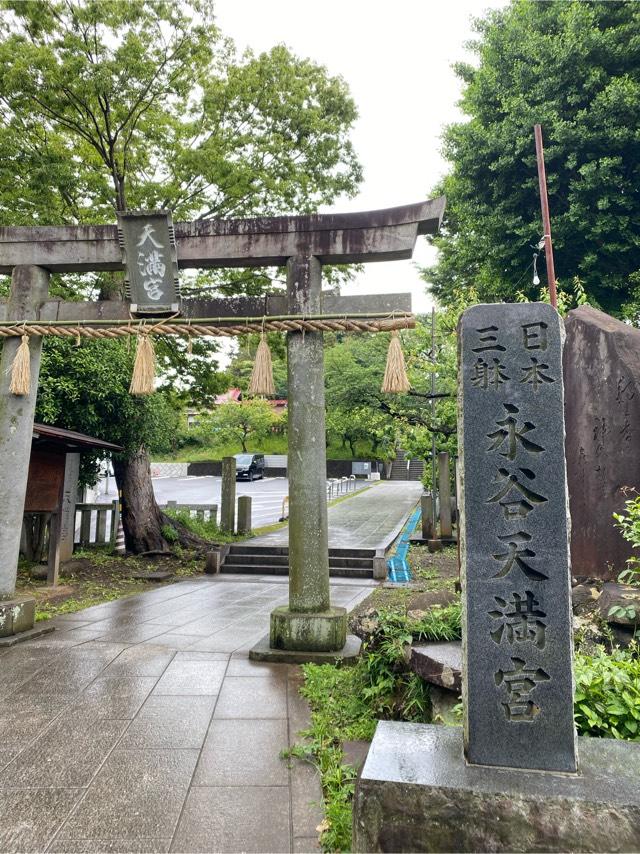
(629,526)
(347,702)
(607,699)
(207,529)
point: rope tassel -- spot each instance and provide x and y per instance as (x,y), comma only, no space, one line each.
(144,367)
(262,374)
(21,370)
(395,379)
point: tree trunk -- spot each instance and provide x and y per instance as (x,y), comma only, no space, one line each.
(142,519)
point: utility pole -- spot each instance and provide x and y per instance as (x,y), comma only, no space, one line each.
(546,221)
(433,420)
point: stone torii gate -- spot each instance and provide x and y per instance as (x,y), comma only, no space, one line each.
(301,243)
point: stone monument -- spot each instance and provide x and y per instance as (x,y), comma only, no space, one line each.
(602,409)
(510,780)
(515,544)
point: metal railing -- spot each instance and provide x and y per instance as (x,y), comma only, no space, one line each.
(336,486)
(340,486)
(203,512)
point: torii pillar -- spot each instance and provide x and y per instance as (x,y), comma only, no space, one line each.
(308,624)
(29,289)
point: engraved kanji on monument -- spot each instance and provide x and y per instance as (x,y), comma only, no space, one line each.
(518,684)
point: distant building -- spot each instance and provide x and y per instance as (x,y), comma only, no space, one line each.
(234,395)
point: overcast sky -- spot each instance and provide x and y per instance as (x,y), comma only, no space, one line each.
(396,58)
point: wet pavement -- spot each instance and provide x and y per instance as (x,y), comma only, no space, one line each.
(140,725)
(267,494)
(370,520)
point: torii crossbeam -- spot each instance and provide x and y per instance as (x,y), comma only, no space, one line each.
(301,243)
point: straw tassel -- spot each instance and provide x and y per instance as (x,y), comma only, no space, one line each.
(21,370)
(262,374)
(144,368)
(395,375)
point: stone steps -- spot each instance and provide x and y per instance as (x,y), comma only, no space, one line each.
(265,560)
(256,569)
(249,559)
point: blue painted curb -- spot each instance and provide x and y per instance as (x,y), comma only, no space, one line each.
(398,568)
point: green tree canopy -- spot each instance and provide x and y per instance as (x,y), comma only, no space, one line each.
(241,423)
(106,106)
(105,409)
(144,104)
(573,67)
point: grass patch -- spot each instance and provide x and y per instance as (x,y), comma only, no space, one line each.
(206,528)
(347,702)
(437,570)
(94,576)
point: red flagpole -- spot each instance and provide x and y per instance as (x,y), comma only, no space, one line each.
(546,221)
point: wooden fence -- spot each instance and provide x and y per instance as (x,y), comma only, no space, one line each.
(97,524)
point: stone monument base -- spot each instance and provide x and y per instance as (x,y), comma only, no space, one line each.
(416,793)
(263,651)
(320,631)
(17,618)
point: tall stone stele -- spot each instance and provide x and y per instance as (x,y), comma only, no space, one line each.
(515,539)
(509,780)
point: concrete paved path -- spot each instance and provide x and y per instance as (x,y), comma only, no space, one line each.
(370,520)
(141,726)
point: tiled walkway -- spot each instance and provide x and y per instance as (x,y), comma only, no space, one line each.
(370,520)
(142,726)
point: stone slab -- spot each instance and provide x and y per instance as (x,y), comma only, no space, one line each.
(244,753)
(515,539)
(349,653)
(416,793)
(616,595)
(37,632)
(17,614)
(252,699)
(439,663)
(602,409)
(232,819)
(355,753)
(370,519)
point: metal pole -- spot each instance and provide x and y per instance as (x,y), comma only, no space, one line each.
(433,421)
(546,221)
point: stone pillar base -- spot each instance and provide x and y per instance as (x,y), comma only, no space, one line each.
(319,631)
(17,615)
(416,793)
(263,651)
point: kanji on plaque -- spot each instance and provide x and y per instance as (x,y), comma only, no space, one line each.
(149,254)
